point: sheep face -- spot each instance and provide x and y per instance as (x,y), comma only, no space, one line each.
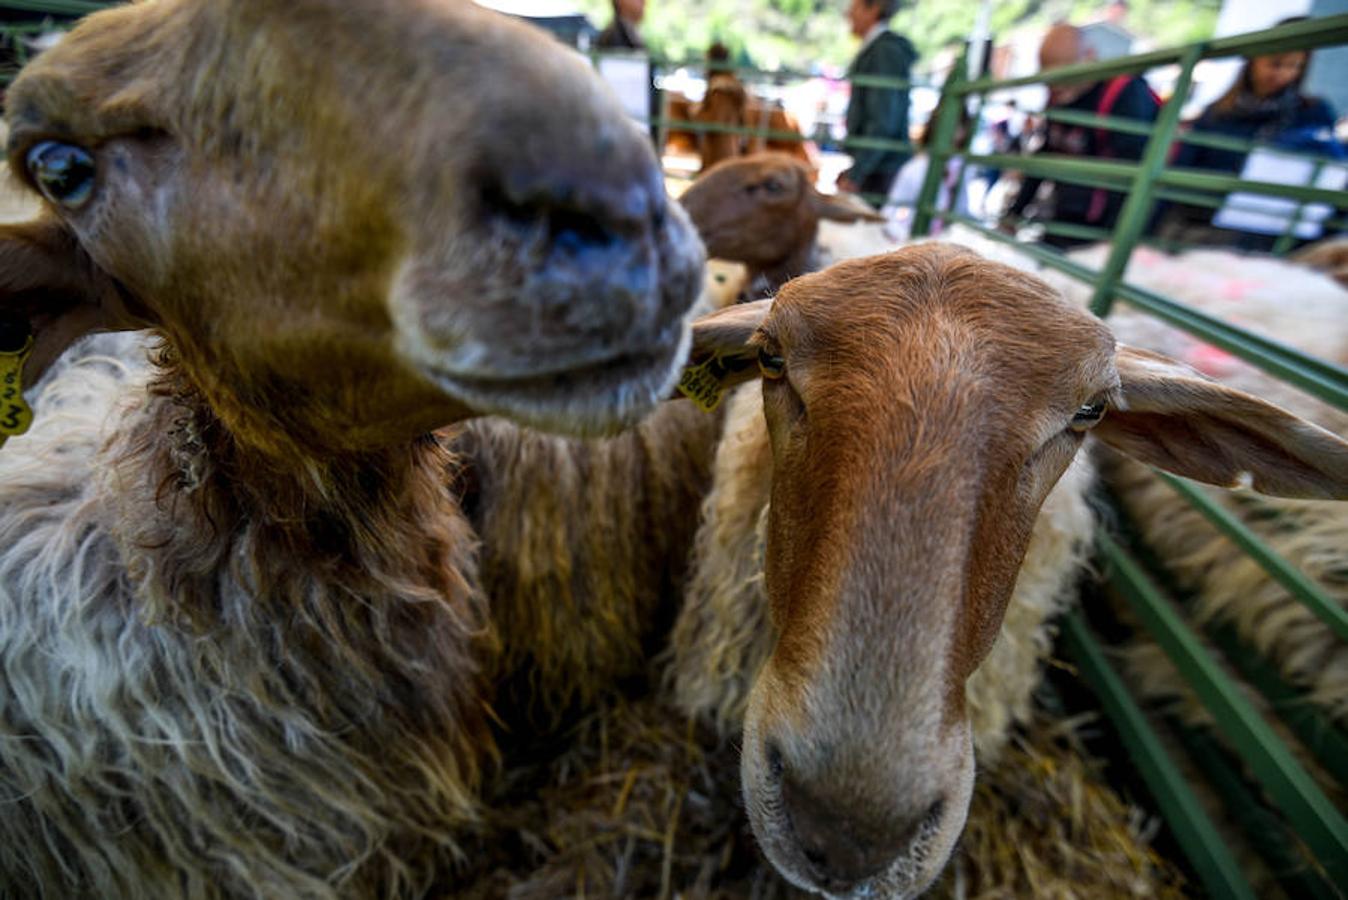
(920,407)
(354,221)
(914,439)
(763,210)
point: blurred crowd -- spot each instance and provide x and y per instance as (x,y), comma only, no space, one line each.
(1265,107)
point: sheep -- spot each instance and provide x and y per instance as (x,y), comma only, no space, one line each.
(728,103)
(1329,255)
(1252,291)
(1228,586)
(242,631)
(764,211)
(856,781)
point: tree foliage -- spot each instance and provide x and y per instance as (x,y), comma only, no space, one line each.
(801,34)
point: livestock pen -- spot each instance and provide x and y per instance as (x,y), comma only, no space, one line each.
(1286,816)
(1291,817)
(1268,742)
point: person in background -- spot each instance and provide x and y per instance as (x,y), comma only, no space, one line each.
(1126,96)
(622,33)
(877,112)
(1266,105)
(1003,143)
(907,187)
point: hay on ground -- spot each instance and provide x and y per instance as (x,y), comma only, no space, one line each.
(643,804)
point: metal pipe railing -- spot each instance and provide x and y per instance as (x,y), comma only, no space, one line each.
(1138,204)
(1121,175)
(1305,35)
(1200,840)
(1324,379)
(59,7)
(1320,824)
(1301,588)
(1210,139)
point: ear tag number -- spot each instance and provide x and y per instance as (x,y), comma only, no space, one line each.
(702,384)
(705,383)
(15,414)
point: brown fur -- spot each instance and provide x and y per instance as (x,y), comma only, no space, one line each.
(241,629)
(764,211)
(728,103)
(920,407)
(274,281)
(585,567)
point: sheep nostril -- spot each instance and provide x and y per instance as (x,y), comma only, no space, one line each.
(776,765)
(932,817)
(573,231)
(572,214)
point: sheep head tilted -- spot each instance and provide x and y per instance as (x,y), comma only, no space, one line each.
(920,407)
(346,233)
(763,210)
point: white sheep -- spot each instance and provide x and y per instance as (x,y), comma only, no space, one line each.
(1303,309)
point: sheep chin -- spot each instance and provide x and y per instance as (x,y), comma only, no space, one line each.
(910,874)
(589,400)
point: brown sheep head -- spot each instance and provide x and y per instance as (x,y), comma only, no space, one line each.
(764,210)
(346,233)
(920,407)
(724,104)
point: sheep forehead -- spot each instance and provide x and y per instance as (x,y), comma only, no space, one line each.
(746,169)
(1015,328)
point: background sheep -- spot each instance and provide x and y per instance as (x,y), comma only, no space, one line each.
(1330,256)
(729,104)
(239,622)
(764,211)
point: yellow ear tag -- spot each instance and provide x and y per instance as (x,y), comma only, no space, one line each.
(701,385)
(705,383)
(15,414)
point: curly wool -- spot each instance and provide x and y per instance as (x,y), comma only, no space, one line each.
(212,694)
(1227,585)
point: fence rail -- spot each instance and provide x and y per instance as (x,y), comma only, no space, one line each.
(1318,824)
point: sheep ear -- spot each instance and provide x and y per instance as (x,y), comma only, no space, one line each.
(51,294)
(844,207)
(1174,418)
(721,356)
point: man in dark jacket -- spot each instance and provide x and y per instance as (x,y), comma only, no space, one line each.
(877,112)
(622,33)
(1125,97)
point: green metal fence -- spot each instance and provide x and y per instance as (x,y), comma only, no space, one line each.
(1296,812)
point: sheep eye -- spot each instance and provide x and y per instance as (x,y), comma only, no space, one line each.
(773,367)
(63,173)
(1088,416)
